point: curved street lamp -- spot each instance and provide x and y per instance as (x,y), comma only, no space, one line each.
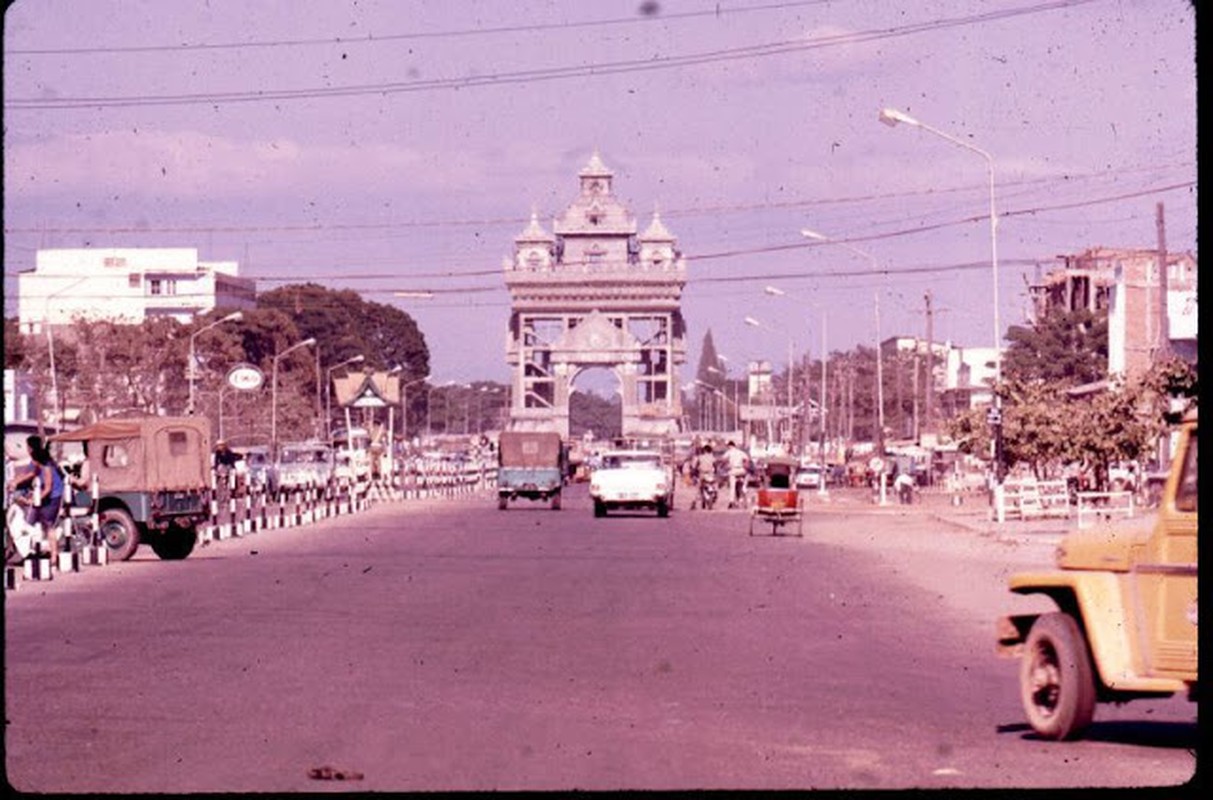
(892,117)
(274,392)
(191,371)
(821,237)
(429,402)
(404,405)
(754,323)
(50,350)
(775,291)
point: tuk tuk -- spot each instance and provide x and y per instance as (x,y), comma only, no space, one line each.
(530,464)
(153,482)
(778,502)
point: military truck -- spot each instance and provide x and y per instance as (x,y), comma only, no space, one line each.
(153,480)
(1125,624)
(530,465)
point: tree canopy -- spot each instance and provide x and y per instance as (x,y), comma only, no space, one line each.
(1064,347)
(344,325)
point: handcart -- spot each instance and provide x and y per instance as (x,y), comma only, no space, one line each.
(778,502)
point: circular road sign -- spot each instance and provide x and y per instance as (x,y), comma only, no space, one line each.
(245,377)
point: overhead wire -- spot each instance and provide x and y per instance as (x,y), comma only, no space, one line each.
(540,74)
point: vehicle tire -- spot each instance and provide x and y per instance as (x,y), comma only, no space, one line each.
(556,501)
(599,509)
(1056,679)
(120,533)
(503,502)
(663,509)
(175,543)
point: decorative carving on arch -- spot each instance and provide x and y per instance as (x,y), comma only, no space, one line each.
(594,293)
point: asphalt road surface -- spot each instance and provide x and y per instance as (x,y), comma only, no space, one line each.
(446,645)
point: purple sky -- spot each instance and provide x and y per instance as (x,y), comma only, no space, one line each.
(402,145)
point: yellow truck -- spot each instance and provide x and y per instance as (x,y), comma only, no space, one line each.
(1126,621)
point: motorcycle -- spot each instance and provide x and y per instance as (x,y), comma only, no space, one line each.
(707,493)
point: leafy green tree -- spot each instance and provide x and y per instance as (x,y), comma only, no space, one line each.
(590,412)
(14,345)
(1046,428)
(344,325)
(1065,347)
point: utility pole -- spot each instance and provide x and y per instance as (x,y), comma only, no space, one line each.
(1164,329)
(930,376)
(1163,344)
(879,439)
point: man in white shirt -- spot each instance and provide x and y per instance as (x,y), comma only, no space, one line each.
(737,462)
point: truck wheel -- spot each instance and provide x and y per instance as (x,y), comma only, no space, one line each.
(120,533)
(175,543)
(599,508)
(663,508)
(1056,680)
(503,502)
(556,501)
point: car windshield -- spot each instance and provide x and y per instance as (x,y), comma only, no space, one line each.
(630,461)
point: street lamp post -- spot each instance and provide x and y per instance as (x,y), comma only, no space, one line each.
(718,396)
(190,373)
(50,353)
(821,405)
(754,323)
(404,405)
(328,393)
(429,404)
(892,117)
(274,393)
(821,237)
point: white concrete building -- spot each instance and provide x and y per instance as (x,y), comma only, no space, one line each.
(962,375)
(127,285)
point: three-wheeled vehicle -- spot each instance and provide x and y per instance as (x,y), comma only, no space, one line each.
(778,502)
(153,479)
(530,464)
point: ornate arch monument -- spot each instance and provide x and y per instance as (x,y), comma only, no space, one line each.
(594,293)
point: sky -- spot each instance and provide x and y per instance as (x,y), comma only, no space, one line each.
(401,146)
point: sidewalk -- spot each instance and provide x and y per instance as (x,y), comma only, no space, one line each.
(973,513)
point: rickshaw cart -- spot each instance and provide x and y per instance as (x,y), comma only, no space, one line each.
(778,502)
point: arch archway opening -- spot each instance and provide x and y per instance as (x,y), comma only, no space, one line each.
(595,405)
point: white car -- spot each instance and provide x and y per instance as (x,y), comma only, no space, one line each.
(631,479)
(304,465)
(808,477)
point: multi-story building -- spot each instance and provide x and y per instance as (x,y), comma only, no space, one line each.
(960,377)
(1125,283)
(126,285)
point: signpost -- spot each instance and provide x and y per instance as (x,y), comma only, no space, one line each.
(242,378)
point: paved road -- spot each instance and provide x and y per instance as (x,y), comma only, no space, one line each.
(447,645)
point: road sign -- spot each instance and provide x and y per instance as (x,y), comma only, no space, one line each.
(245,377)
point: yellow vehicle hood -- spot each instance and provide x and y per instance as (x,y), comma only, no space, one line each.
(1109,546)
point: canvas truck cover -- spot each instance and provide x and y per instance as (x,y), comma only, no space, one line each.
(147,454)
(529,449)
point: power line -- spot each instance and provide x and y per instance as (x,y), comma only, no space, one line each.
(736,253)
(718,11)
(688,211)
(537,75)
